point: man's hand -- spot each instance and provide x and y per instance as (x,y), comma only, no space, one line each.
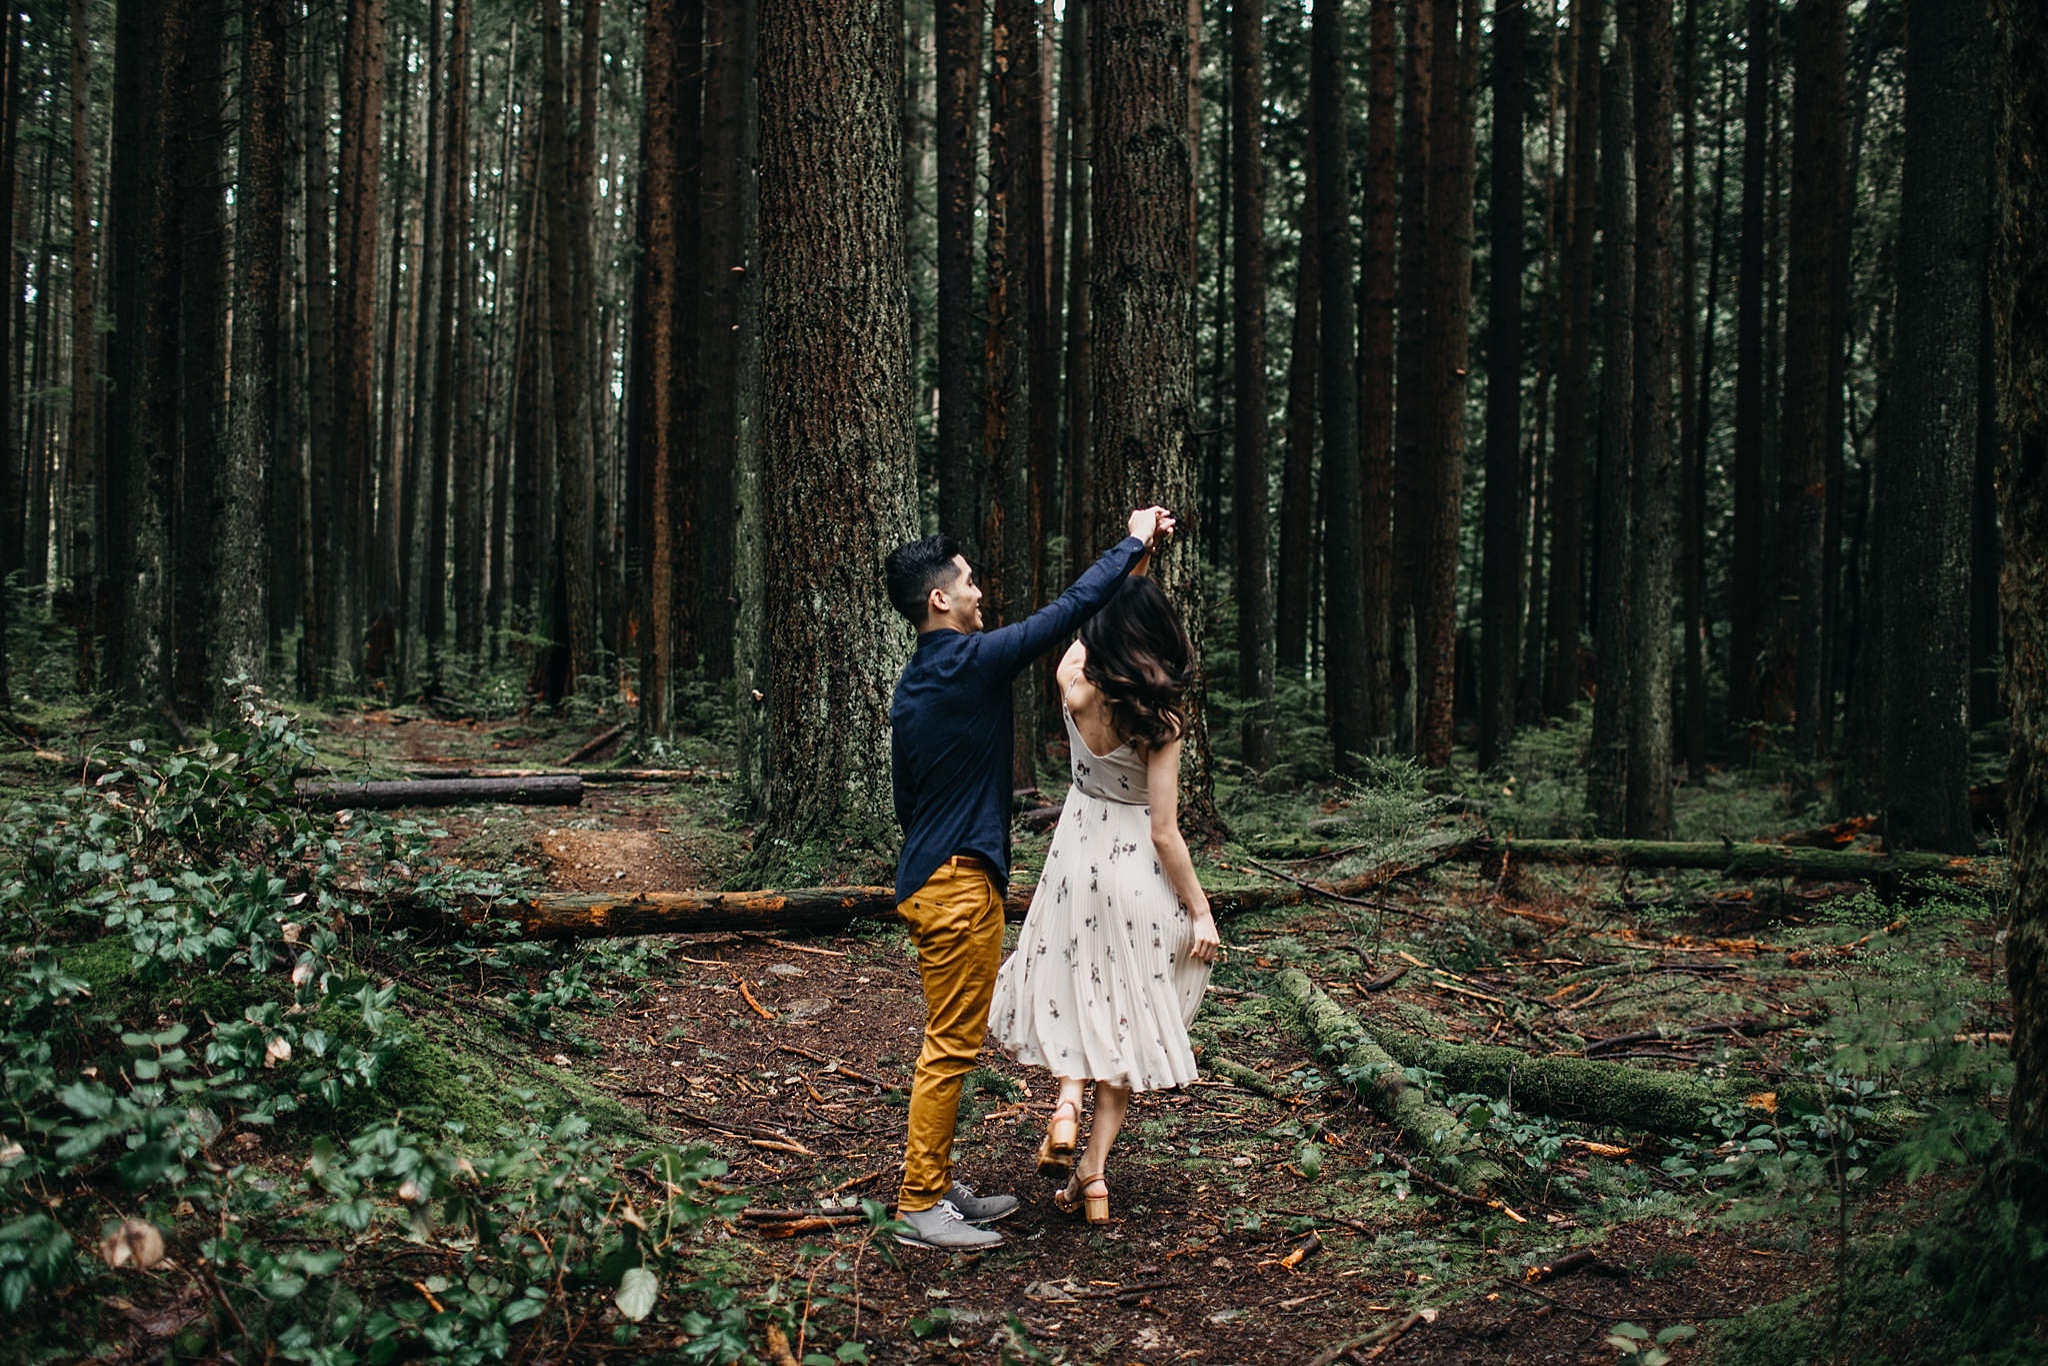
(1151,525)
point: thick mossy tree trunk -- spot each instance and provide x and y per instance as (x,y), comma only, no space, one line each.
(836,439)
(1924,488)
(1144,272)
(2020,272)
(958,26)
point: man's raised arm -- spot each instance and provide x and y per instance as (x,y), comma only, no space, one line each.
(1011,648)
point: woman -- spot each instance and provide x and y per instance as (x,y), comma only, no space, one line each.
(1114,956)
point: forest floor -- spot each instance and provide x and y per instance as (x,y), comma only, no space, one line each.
(1248,1227)
(1270,1218)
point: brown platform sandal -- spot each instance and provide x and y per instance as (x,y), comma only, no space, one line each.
(1081,1195)
(1062,1138)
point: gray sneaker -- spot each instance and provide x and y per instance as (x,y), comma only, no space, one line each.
(981,1209)
(945,1228)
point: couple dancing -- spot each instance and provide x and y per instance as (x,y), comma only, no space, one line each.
(1113,959)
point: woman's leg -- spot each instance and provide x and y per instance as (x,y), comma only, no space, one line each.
(1073,1093)
(1112,1103)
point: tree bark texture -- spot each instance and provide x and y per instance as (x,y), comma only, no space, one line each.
(1445,357)
(1295,575)
(1653,485)
(660,457)
(1924,483)
(1248,351)
(567,199)
(2020,334)
(1501,593)
(1413,388)
(959,30)
(83,474)
(835,425)
(240,630)
(1376,368)
(345,544)
(1795,679)
(1747,583)
(1564,612)
(1607,765)
(1142,302)
(1344,636)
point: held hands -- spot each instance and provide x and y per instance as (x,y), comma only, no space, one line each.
(1152,525)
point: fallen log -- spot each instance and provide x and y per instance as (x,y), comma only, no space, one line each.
(1380,1082)
(596,777)
(549,790)
(793,910)
(1737,860)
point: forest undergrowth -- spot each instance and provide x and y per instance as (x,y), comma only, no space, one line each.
(269,1093)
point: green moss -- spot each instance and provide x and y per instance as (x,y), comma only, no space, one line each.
(466,1074)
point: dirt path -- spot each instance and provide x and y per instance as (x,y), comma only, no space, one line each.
(1229,1243)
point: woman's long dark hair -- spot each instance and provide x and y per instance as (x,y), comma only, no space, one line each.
(1140,660)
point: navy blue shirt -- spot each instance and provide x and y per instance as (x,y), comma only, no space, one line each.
(953,732)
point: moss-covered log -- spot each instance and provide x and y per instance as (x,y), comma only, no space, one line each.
(1378,1079)
(1741,861)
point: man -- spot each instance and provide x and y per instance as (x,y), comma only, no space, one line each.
(952,740)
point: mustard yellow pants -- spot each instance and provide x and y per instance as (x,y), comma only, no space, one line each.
(956,921)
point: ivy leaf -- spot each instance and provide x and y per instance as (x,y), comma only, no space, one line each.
(639,1288)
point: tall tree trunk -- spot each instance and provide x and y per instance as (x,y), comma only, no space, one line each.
(1565,610)
(140,660)
(1501,596)
(345,559)
(1653,492)
(10,144)
(391,481)
(199,327)
(1924,484)
(1254,575)
(1796,671)
(1445,338)
(836,439)
(463,450)
(2021,333)
(1376,371)
(961,498)
(1079,451)
(1296,575)
(1746,563)
(1344,653)
(1607,765)
(1015,235)
(567,202)
(323,460)
(449,279)
(1413,387)
(726,199)
(1144,286)
(81,453)
(1696,466)
(660,458)
(239,617)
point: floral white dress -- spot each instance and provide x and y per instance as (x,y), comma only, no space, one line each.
(1100,985)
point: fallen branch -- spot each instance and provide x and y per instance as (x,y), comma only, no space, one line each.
(1250,1080)
(550,790)
(1379,1081)
(595,743)
(1748,1028)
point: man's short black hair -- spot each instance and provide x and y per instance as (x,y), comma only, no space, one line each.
(914,570)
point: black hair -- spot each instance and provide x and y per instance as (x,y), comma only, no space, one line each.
(1140,660)
(914,570)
